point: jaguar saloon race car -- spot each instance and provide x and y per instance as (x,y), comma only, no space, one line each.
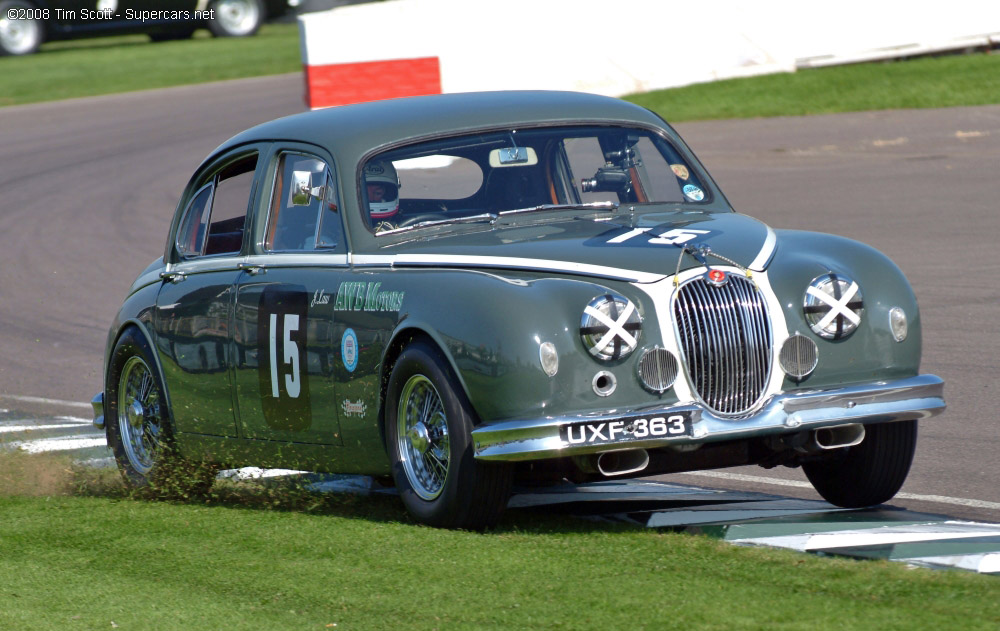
(462,291)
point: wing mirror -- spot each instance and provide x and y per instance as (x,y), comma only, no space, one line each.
(303,192)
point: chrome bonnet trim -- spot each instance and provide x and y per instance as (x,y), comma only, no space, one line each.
(917,397)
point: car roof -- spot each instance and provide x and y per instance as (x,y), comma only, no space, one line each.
(354,130)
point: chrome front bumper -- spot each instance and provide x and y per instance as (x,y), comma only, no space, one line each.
(876,402)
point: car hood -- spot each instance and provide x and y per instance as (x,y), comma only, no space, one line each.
(645,248)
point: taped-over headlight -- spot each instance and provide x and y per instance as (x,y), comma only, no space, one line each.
(610,327)
(833,306)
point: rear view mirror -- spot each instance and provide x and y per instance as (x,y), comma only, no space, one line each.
(513,157)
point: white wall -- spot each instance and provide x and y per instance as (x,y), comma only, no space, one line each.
(616,47)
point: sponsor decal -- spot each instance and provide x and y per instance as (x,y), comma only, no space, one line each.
(352,296)
(349,350)
(320,297)
(680,171)
(628,429)
(693,192)
(676,236)
(354,408)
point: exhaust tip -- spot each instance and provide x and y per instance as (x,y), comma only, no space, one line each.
(839,436)
(612,463)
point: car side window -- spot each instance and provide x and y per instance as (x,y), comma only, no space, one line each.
(304,214)
(229,207)
(191,234)
(215,218)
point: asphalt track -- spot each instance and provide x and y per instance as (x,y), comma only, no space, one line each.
(88,187)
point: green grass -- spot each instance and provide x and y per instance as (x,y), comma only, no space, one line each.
(63,70)
(916,83)
(263,557)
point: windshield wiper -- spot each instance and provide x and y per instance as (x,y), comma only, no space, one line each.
(611,206)
(484,217)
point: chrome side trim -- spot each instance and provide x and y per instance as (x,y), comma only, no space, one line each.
(917,397)
(98,404)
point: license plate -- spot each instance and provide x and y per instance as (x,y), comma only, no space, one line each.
(627,429)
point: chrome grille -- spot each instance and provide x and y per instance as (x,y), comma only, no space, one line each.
(725,336)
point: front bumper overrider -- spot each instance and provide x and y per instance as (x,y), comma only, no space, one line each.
(917,397)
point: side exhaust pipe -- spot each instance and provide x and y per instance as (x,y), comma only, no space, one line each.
(838,436)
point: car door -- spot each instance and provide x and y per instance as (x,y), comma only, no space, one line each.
(285,350)
(193,319)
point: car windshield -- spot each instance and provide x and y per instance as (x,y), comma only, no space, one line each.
(487,175)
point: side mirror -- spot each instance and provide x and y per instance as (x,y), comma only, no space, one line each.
(303,192)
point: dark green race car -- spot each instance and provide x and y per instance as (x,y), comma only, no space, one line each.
(467,290)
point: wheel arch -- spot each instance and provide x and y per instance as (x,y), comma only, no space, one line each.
(143,330)
(403,336)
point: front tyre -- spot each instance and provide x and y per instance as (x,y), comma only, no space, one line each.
(20,36)
(429,437)
(138,424)
(869,473)
(236,18)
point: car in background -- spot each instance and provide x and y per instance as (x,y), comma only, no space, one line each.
(26,24)
(462,291)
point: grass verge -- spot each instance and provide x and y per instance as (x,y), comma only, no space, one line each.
(253,556)
(110,65)
(917,83)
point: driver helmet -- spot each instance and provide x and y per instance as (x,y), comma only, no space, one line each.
(382,189)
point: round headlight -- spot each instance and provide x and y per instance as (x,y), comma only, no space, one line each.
(897,324)
(833,306)
(610,327)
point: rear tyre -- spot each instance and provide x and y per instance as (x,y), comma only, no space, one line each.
(236,18)
(429,425)
(869,473)
(19,37)
(138,425)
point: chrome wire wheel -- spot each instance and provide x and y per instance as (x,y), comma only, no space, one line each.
(237,17)
(139,419)
(422,437)
(18,37)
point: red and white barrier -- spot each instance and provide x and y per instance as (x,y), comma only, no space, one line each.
(411,47)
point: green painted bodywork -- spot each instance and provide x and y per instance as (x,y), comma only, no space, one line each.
(488,320)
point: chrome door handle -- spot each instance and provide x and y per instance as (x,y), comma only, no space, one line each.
(173,277)
(252,269)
